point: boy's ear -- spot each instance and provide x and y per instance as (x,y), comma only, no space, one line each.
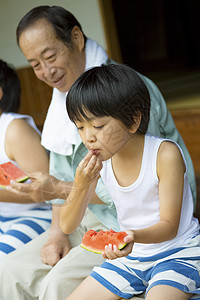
(137,121)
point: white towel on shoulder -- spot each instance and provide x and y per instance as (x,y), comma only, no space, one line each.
(59,133)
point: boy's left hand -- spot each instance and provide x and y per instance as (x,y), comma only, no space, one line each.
(112,252)
(88,170)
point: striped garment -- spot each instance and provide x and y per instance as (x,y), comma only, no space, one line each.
(17,230)
(19,223)
(128,276)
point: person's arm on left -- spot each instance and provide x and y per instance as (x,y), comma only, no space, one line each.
(23,146)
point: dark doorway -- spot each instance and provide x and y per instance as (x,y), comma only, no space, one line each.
(158,35)
(160,39)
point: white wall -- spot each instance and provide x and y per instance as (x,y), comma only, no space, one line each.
(11,11)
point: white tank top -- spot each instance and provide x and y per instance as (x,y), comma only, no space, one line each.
(5,120)
(138,204)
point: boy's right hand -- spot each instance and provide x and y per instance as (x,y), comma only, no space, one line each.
(88,170)
(112,252)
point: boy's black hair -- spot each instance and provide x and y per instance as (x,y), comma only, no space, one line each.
(61,20)
(110,90)
(10,84)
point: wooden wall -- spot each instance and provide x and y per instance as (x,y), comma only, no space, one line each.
(36,96)
(188,123)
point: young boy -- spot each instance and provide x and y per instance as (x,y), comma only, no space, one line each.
(146,178)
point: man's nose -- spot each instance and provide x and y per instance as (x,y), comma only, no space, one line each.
(48,70)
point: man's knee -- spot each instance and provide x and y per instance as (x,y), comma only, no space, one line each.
(6,264)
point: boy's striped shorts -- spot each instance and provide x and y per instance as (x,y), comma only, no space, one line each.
(128,276)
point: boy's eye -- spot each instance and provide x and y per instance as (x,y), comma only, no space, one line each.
(80,128)
(99,127)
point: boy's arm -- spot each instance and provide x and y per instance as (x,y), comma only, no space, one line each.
(170,170)
(162,124)
(83,189)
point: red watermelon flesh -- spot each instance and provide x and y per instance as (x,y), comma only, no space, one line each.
(9,171)
(96,241)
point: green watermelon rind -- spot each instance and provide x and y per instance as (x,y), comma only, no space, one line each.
(120,247)
(21,179)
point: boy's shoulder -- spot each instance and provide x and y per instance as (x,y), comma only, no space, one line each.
(166,147)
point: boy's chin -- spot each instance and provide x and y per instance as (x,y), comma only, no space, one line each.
(104,157)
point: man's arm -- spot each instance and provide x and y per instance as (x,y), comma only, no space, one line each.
(47,187)
(43,187)
(58,244)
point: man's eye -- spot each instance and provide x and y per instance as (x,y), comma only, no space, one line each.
(80,128)
(52,57)
(35,66)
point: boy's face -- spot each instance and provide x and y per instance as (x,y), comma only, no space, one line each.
(105,136)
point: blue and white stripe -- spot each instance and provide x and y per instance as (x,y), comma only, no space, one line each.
(128,276)
(15,231)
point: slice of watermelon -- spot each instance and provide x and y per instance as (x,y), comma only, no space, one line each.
(96,241)
(9,171)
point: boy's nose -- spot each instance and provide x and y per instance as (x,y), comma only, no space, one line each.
(90,137)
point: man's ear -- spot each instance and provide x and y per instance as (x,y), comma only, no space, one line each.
(137,121)
(78,38)
(1,93)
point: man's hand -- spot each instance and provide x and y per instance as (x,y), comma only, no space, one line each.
(112,252)
(56,248)
(43,187)
(58,244)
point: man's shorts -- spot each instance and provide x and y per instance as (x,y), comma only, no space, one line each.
(128,276)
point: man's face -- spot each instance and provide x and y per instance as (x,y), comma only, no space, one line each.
(52,61)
